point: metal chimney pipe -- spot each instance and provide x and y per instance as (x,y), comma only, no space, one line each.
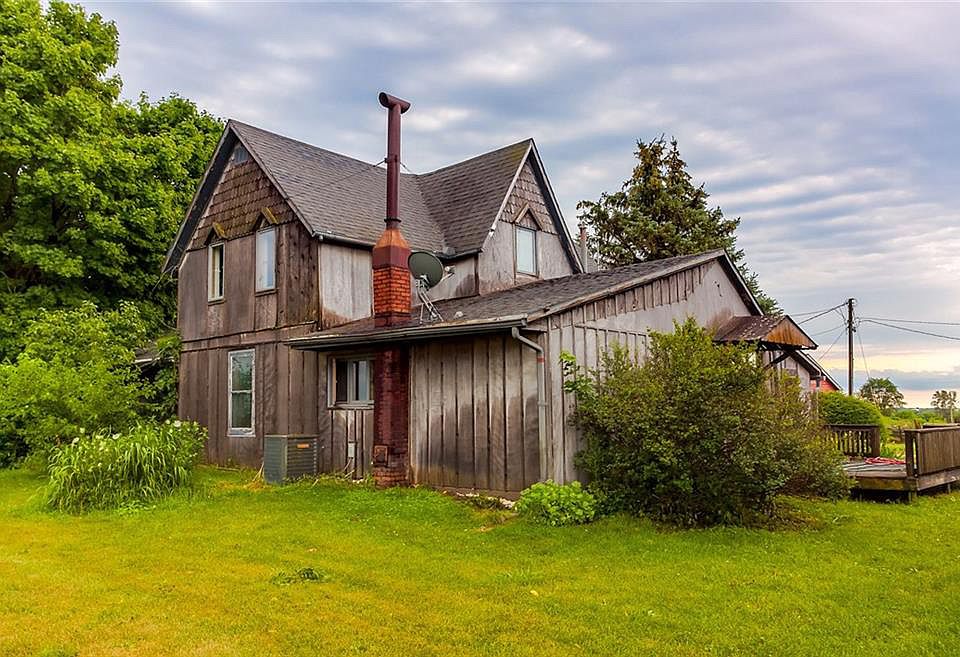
(396,107)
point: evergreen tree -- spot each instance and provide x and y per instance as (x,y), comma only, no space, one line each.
(660,213)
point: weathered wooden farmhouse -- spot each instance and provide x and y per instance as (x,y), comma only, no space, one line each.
(297,316)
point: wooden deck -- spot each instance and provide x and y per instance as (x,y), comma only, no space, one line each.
(894,477)
(932,462)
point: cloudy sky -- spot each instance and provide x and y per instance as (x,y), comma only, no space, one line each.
(831,130)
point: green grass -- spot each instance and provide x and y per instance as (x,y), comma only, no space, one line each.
(338,569)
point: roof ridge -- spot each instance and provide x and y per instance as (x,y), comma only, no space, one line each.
(300,141)
(475,157)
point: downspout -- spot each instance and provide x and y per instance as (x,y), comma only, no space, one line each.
(541,400)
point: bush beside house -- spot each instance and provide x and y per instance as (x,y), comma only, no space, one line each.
(699,434)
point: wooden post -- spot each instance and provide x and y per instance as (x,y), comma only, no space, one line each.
(909,445)
(875,441)
(850,330)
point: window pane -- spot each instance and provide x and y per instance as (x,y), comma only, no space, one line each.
(363,381)
(241,374)
(526,251)
(216,271)
(241,407)
(266,259)
(341,380)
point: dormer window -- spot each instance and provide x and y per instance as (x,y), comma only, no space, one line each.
(215,275)
(267,259)
(526,247)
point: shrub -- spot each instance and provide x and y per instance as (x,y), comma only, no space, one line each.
(839,408)
(75,373)
(698,434)
(144,463)
(558,505)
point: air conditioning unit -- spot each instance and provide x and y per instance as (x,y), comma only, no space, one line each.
(289,457)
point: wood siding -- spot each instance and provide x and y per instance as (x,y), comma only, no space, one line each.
(495,265)
(473,421)
(290,397)
(705,293)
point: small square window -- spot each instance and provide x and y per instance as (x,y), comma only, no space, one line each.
(215,278)
(266,259)
(352,381)
(526,251)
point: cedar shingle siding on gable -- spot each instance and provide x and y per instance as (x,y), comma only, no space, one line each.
(527,193)
(240,196)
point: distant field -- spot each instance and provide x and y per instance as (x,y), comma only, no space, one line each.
(415,573)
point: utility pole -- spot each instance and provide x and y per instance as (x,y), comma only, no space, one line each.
(850,330)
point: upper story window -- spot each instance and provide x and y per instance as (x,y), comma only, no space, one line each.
(352,381)
(526,250)
(240,384)
(240,154)
(215,275)
(267,259)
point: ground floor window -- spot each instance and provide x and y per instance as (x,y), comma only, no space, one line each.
(352,381)
(240,394)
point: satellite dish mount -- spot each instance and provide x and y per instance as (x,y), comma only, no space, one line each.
(427,271)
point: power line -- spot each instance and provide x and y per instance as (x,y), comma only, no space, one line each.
(821,314)
(842,331)
(862,354)
(829,330)
(904,328)
(812,312)
(912,321)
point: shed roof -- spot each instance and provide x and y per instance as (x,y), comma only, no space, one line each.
(772,330)
(514,306)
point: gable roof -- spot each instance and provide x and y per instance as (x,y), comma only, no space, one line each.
(515,306)
(450,211)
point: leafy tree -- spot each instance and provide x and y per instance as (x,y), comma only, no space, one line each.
(660,213)
(698,434)
(883,393)
(91,189)
(75,374)
(946,402)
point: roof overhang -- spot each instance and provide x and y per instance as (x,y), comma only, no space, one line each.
(335,341)
(772,333)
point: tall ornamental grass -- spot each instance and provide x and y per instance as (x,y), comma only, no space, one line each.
(103,470)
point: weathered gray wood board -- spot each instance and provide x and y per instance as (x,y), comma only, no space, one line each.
(704,293)
(474,420)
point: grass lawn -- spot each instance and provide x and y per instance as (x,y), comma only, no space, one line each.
(411,572)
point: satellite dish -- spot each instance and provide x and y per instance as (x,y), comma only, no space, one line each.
(425,267)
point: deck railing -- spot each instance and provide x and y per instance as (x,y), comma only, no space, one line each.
(933,449)
(857,440)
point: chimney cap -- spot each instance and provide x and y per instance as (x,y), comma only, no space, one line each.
(389,101)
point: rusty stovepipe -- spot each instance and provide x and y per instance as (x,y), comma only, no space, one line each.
(396,107)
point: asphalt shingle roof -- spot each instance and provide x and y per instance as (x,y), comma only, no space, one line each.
(538,298)
(449,210)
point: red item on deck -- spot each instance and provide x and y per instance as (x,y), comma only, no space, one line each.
(880,460)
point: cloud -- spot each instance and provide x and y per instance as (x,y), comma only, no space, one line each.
(828,129)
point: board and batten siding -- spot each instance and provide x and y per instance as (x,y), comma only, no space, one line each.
(704,293)
(290,398)
(473,419)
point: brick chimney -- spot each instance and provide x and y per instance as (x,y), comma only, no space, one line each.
(391,306)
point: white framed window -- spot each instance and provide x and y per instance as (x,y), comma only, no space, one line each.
(267,259)
(526,251)
(240,383)
(351,381)
(215,277)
